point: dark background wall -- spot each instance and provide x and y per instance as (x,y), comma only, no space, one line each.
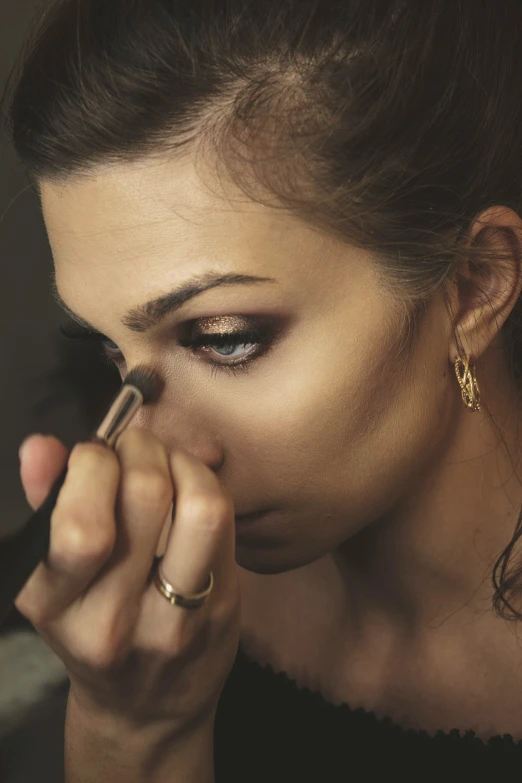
(46,386)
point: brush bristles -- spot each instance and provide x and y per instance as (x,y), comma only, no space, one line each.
(149,382)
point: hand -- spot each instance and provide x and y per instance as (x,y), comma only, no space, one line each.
(129,653)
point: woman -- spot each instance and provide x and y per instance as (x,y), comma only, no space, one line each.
(338,434)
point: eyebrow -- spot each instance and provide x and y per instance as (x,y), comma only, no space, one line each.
(146,316)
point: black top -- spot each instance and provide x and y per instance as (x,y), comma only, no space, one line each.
(268,729)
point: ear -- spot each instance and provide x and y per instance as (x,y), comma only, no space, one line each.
(486,292)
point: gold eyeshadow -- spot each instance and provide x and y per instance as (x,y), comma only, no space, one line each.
(223,324)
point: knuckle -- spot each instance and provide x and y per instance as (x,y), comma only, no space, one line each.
(136,439)
(210,510)
(34,605)
(219,622)
(182,641)
(41,615)
(134,436)
(100,658)
(36,614)
(174,644)
(91,454)
(105,653)
(34,611)
(74,541)
(148,486)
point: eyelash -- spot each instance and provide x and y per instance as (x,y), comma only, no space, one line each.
(263,339)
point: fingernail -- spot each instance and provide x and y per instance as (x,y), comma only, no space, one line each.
(21,450)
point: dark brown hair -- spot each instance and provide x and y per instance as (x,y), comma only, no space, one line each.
(390,123)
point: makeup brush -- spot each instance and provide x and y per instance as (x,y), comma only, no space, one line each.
(20,554)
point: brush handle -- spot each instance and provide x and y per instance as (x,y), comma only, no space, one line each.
(20,554)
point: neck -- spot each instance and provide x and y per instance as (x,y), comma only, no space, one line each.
(431,557)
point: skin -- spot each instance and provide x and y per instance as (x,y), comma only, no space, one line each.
(390,500)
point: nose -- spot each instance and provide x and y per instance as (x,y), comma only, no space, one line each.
(178,428)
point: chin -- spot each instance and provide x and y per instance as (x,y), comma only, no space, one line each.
(261,559)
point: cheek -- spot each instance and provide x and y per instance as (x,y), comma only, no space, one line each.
(311,429)
(396,421)
(352,435)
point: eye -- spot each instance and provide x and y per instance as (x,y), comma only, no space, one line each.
(260,341)
(202,345)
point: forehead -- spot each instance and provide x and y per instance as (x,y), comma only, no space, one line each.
(158,211)
(137,206)
(129,232)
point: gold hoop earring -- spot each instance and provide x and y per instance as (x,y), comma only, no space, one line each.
(468,383)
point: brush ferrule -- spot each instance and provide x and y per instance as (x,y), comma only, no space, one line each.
(120,414)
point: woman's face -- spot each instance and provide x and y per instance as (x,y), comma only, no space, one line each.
(330,424)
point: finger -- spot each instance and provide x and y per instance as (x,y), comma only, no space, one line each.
(202,537)
(164,537)
(43,460)
(144,498)
(82,534)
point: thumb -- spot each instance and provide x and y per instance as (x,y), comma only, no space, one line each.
(42,459)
